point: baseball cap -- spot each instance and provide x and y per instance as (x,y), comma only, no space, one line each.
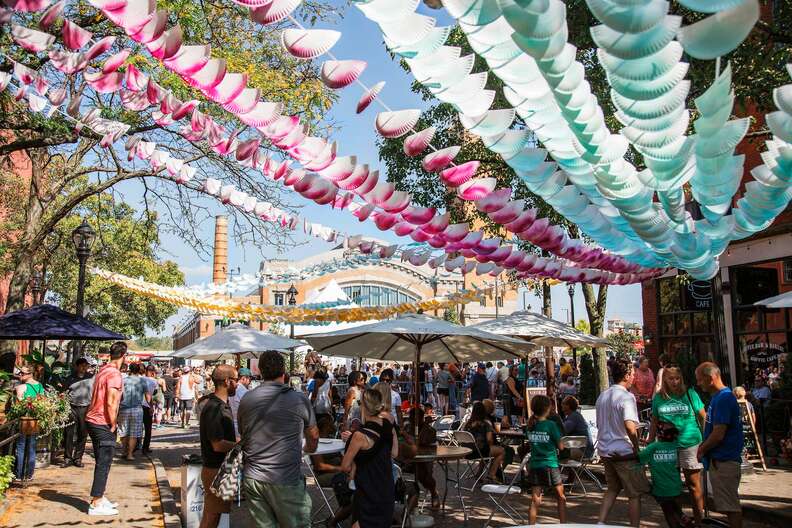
(482,366)
(245,372)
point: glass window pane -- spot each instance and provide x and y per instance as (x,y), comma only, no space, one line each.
(667,325)
(669,295)
(747,320)
(388,294)
(376,296)
(775,319)
(683,324)
(747,346)
(675,346)
(365,295)
(701,323)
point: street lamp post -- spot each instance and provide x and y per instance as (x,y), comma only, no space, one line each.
(571,290)
(82,238)
(292,299)
(36,284)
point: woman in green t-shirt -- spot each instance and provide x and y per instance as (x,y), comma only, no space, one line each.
(683,408)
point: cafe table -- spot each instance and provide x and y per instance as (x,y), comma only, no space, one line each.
(512,434)
(443,455)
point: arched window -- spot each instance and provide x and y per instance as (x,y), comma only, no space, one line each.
(374,295)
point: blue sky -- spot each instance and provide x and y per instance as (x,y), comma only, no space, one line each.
(356,136)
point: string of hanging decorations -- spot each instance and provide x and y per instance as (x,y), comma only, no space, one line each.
(285,314)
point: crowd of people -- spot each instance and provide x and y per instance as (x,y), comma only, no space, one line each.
(279,418)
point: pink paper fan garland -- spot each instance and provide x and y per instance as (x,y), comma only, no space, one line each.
(337,74)
(297,135)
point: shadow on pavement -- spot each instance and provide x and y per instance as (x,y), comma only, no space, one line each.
(56,496)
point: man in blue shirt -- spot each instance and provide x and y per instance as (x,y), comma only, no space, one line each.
(721,450)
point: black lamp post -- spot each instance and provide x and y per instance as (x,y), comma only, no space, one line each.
(36,285)
(292,300)
(82,238)
(571,290)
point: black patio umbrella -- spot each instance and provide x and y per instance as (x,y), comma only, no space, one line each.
(46,322)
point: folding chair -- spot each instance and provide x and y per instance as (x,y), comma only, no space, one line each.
(504,491)
(444,426)
(586,461)
(574,465)
(322,491)
(465,438)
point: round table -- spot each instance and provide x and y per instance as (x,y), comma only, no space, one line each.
(512,434)
(443,455)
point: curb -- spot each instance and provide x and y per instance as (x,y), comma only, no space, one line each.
(761,514)
(170,513)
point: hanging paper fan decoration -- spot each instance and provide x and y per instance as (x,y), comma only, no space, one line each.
(416,143)
(115,61)
(270,12)
(367,98)
(31,39)
(398,123)
(720,33)
(100,47)
(74,37)
(104,82)
(457,175)
(440,159)
(308,43)
(189,60)
(29,6)
(264,114)
(337,74)
(476,189)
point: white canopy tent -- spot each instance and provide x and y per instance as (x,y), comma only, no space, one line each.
(540,330)
(236,341)
(778,301)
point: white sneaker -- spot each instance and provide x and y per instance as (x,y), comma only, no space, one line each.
(107,502)
(102,509)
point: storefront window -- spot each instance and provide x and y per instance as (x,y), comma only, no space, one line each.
(748,320)
(701,323)
(686,329)
(667,325)
(761,334)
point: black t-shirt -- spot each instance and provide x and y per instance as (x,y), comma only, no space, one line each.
(170,384)
(217,423)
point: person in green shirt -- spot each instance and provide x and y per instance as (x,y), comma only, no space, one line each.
(682,407)
(662,458)
(544,438)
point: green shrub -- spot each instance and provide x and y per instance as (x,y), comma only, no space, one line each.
(6,472)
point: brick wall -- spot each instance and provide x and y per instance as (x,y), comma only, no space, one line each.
(649,304)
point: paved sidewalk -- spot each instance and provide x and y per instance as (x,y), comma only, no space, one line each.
(59,497)
(169,444)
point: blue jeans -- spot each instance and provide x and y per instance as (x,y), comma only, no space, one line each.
(452,396)
(20,456)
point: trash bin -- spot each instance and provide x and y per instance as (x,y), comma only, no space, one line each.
(192,494)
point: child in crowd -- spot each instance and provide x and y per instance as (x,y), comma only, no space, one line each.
(545,439)
(661,456)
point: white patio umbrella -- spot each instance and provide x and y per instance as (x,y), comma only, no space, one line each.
(778,301)
(236,341)
(417,338)
(540,330)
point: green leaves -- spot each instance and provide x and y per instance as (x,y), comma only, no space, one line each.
(126,242)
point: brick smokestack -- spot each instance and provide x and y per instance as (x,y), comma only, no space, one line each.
(220,267)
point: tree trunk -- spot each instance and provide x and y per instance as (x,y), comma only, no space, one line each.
(595,309)
(24,248)
(547,311)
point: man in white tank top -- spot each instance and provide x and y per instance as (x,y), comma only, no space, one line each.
(185,392)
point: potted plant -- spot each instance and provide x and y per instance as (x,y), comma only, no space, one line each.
(46,414)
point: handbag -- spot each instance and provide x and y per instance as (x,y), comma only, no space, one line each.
(227,484)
